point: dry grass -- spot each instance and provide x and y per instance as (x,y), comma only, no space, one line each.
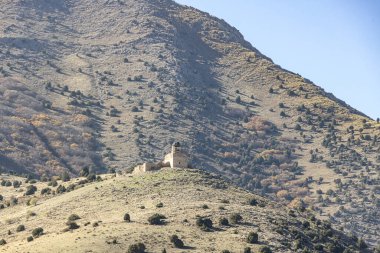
(182,192)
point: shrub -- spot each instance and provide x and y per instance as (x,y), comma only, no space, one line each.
(16,184)
(253,202)
(72,225)
(204,223)
(178,243)
(30,190)
(65,177)
(247,250)
(160,205)
(73,217)
(85,172)
(29,238)
(37,232)
(226,251)
(61,189)
(91,177)
(265,249)
(235,218)
(3,242)
(252,238)
(46,190)
(20,228)
(156,219)
(127,217)
(223,222)
(136,248)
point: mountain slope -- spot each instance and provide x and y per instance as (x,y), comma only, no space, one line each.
(147,73)
(184,196)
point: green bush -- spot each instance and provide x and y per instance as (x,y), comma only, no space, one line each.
(53,183)
(91,177)
(72,225)
(30,190)
(204,223)
(61,189)
(16,184)
(252,238)
(235,218)
(29,238)
(46,190)
(224,222)
(3,242)
(84,172)
(37,232)
(253,202)
(178,243)
(20,228)
(247,250)
(265,249)
(127,217)
(205,206)
(137,248)
(65,177)
(156,219)
(73,217)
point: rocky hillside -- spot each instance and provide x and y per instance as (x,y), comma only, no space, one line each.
(206,214)
(106,84)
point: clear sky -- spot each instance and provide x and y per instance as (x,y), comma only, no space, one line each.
(334,43)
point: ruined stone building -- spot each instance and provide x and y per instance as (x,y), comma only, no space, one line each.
(177,158)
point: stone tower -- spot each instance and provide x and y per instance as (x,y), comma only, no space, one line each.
(177,158)
(176,148)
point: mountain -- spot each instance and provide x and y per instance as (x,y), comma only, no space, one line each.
(185,197)
(108,84)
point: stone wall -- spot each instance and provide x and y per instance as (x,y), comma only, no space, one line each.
(145,167)
(180,160)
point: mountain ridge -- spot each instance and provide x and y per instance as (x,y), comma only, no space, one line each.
(139,75)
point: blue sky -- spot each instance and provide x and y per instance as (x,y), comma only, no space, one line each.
(334,43)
